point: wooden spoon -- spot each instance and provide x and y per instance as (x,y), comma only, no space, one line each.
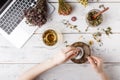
(99,13)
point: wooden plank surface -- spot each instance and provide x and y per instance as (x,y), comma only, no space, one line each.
(34,51)
(62,72)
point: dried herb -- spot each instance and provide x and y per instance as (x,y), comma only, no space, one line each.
(67,45)
(91,42)
(101,44)
(102,6)
(94,22)
(108,31)
(37,15)
(87,28)
(68,24)
(64,8)
(97,36)
(84,2)
(66,42)
(81,37)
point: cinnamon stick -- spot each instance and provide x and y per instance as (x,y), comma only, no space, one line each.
(99,13)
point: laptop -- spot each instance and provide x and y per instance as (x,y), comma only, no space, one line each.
(12,22)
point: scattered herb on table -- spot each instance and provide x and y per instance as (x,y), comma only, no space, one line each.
(108,31)
(102,6)
(67,45)
(69,25)
(81,37)
(37,15)
(85,2)
(64,8)
(101,44)
(65,42)
(87,28)
(91,42)
(97,36)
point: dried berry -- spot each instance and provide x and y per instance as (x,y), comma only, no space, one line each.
(74,18)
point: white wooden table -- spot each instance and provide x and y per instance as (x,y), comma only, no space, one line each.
(14,62)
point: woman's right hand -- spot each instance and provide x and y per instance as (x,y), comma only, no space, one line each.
(96,63)
(64,55)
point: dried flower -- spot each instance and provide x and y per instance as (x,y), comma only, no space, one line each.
(73,18)
(37,15)
(84,2)
(64,8)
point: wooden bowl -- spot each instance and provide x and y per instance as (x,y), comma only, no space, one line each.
(86,52)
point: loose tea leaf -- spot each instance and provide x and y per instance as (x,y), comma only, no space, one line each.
(37,15)
(64,8)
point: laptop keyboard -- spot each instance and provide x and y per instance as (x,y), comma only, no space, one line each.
(14,15)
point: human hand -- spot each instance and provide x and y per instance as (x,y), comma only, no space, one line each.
(96,63)
(65,55)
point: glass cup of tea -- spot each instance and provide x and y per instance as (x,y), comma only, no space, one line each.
(51,38)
